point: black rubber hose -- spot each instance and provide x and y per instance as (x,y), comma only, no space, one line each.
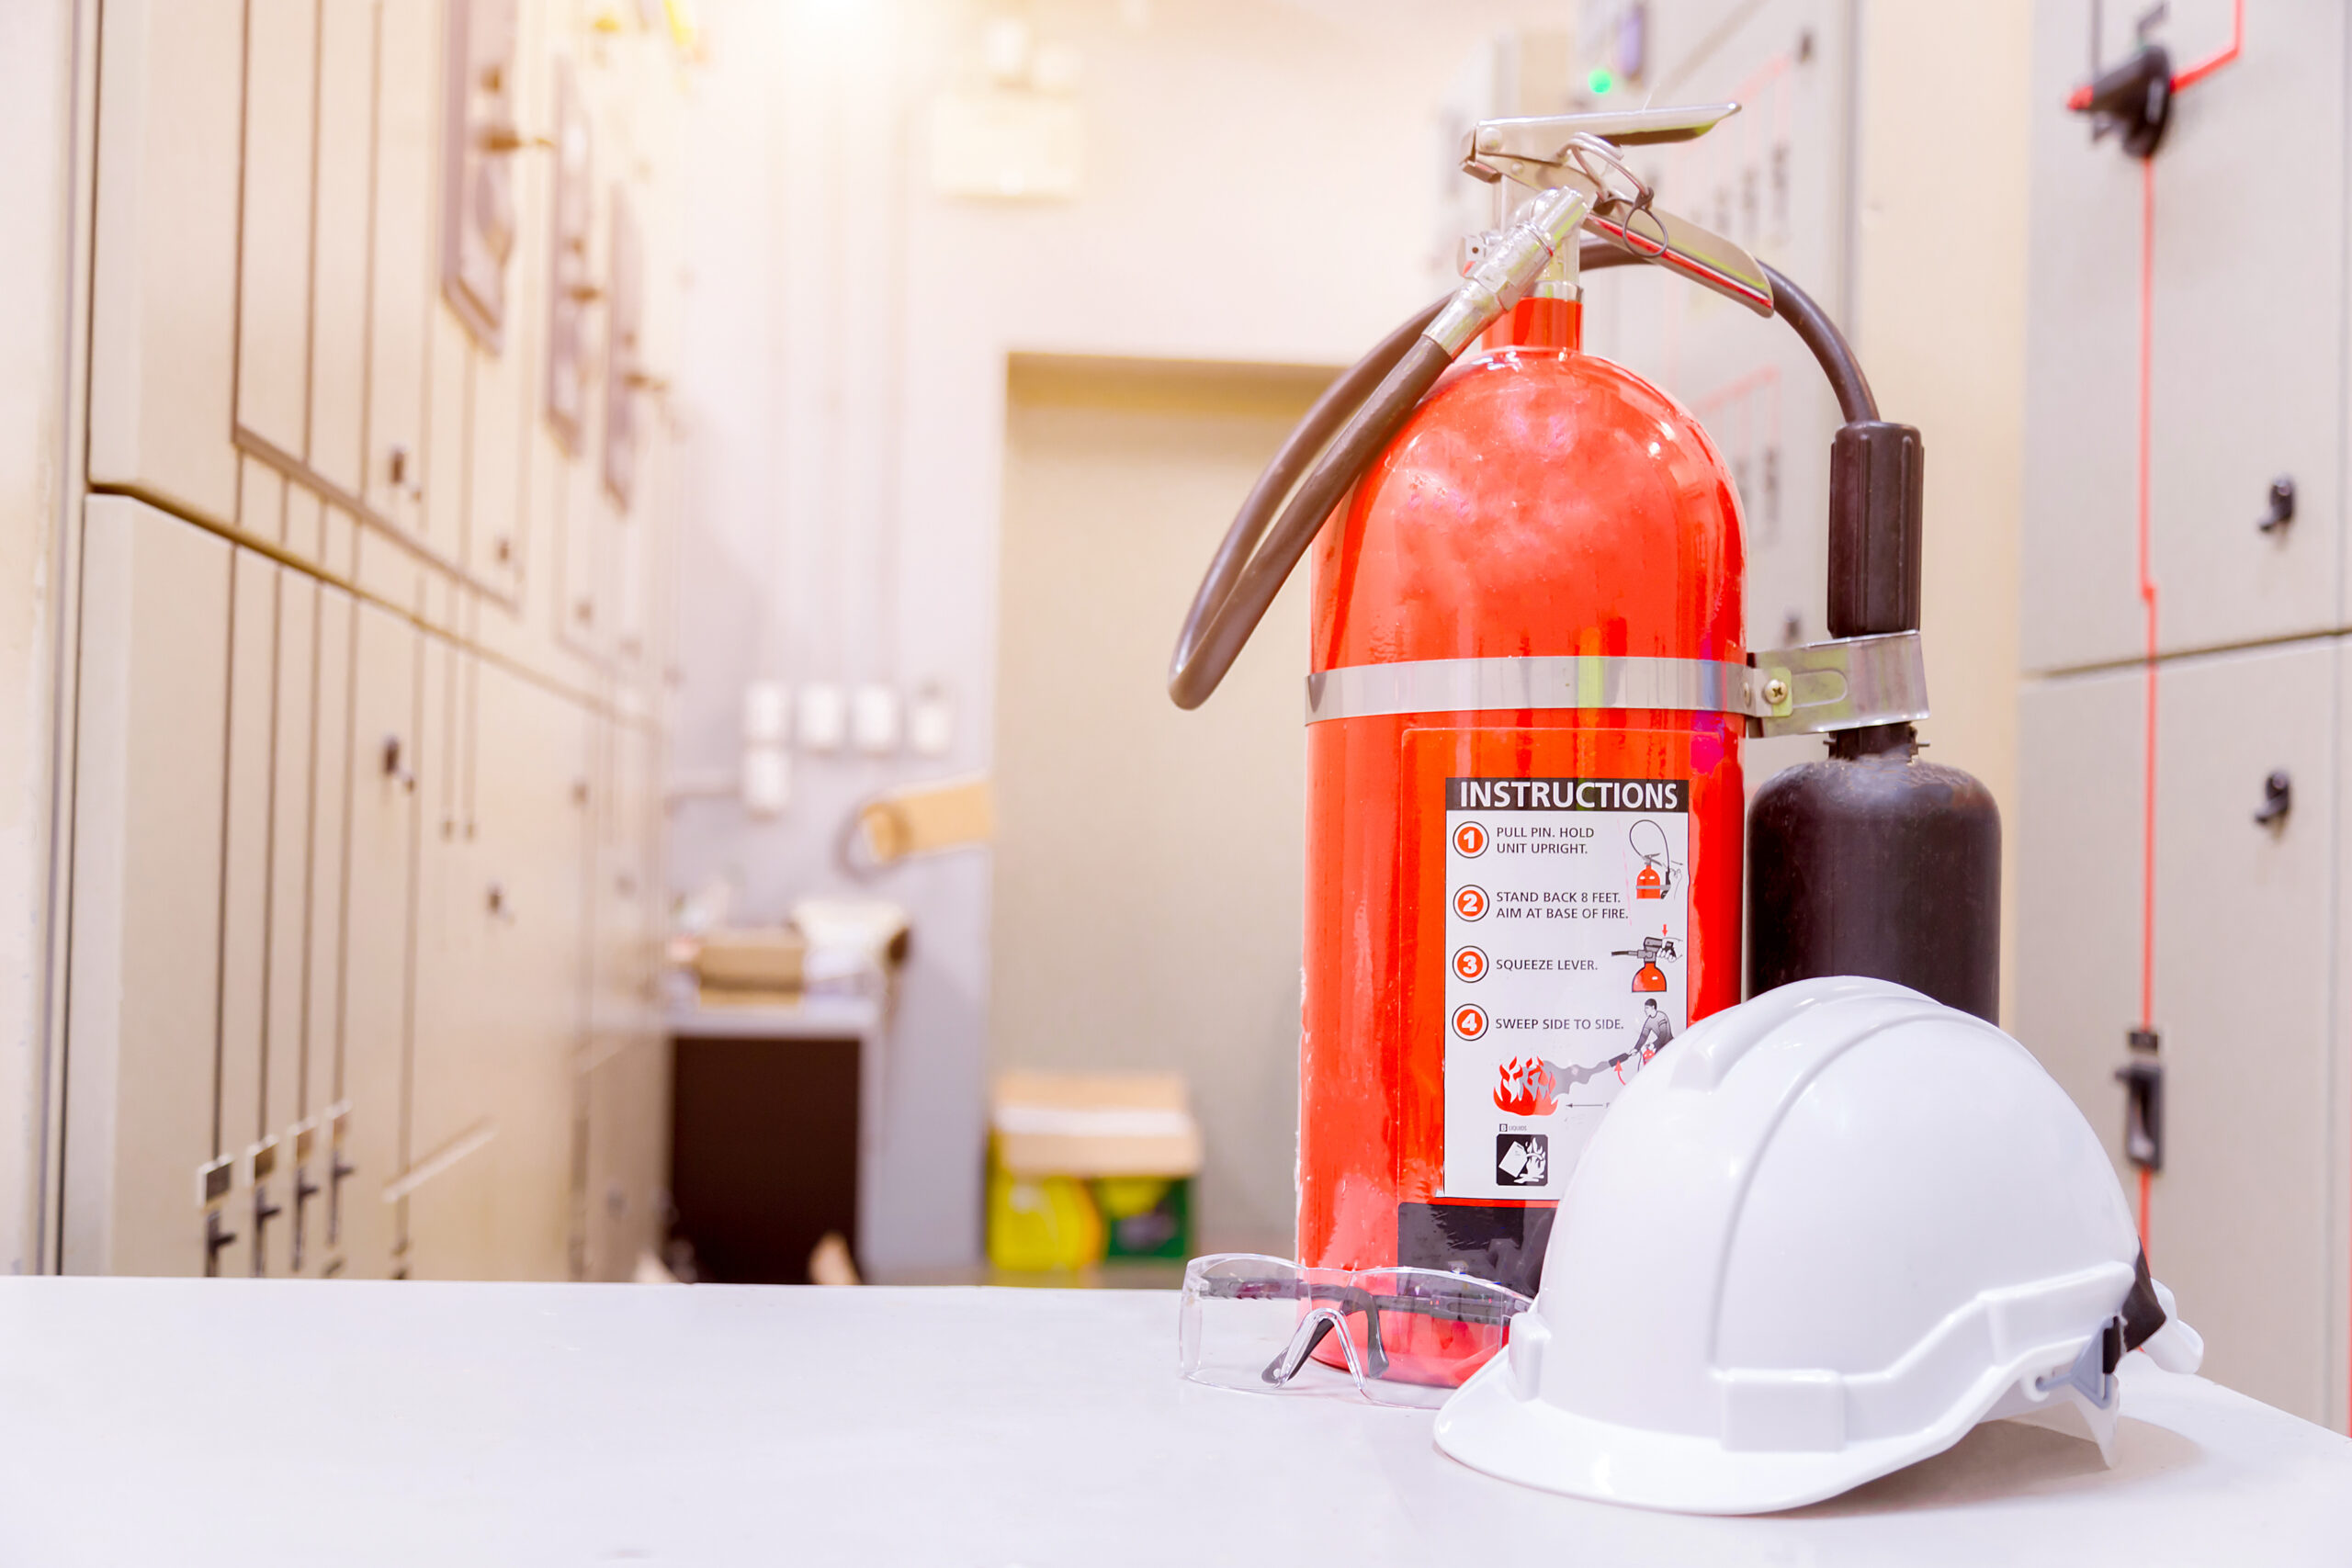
(1855,402)
(1244,577)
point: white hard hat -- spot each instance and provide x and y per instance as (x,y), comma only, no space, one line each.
(1834,1228)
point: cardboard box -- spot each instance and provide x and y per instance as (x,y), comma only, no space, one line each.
(1094,1125)
(765,959)
(1084,1166)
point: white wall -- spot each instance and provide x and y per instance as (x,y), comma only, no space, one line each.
(37,471)
(1261,184)
(1263,181)
(1150,872)
(1939,309)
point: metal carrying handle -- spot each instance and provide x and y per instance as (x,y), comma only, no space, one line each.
(1557,153)
(1875,480)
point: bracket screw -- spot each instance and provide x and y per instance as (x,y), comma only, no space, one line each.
(1776,692)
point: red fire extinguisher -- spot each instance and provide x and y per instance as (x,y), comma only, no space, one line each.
(1529,687)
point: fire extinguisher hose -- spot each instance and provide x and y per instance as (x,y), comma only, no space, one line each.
(1348,426)
(1855,402)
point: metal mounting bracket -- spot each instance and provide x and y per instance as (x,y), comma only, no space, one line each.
(1840,685)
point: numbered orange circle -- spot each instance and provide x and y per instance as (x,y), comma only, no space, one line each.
(1470,839)
(1470,903)
(1469,1020)
(1469,964)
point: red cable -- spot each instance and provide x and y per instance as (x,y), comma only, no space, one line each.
(2147,592)
(2077,100)
(2148,598)
(2080,98)
(2181,82)
(2184,80)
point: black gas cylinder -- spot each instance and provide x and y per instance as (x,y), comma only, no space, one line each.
(1877,862)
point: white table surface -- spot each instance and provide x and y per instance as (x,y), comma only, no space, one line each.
(184,1422)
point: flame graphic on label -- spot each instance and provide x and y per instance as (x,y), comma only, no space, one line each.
(1525,1088)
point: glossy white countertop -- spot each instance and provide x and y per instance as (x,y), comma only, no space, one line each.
(242,1422)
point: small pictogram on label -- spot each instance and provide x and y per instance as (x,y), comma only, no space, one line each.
(1522,1160)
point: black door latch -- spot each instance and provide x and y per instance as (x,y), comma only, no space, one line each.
(2282,505)
(2142,1078)
(2277,799)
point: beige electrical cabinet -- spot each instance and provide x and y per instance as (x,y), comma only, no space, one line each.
(341,244)
(163,278)
(451,1153)
(141,1118)
(274,256)
(243,880)
(535,818)
(364,822)
(330,777)
(2244,356)
(370,1077)
(401,294)
(2240,805)
(627,1062)
(2242,953)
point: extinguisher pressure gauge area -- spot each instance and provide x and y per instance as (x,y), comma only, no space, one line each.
(1566,921)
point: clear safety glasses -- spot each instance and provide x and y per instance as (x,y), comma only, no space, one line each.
(1405,1336)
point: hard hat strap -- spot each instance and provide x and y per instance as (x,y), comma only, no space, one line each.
(2142,1314)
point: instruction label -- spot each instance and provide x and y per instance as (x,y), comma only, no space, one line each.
(1568,914)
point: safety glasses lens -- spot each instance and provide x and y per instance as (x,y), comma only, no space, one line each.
(1405,1336)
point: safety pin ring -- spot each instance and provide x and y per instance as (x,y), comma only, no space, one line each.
(1584,144)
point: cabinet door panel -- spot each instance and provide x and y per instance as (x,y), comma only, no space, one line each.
(450,1152)
(143,985)
(2245,346)
(273,250)
(401,302)
(330,781)
(243,1117)
(285,902)
(449,455)
(2238,1219)
(369,1075)
(587,529)
(339,260)
(163,263)
(628,1156)
(535,852)
(629,1075)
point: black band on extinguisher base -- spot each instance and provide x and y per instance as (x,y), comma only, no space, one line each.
(1502,1242)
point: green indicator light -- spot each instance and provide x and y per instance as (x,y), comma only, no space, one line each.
(1600,80)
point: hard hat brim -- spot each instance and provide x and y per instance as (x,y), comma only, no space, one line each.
(1535,1443)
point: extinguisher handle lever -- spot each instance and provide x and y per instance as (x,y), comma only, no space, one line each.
(1578,152)
(1539,138)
